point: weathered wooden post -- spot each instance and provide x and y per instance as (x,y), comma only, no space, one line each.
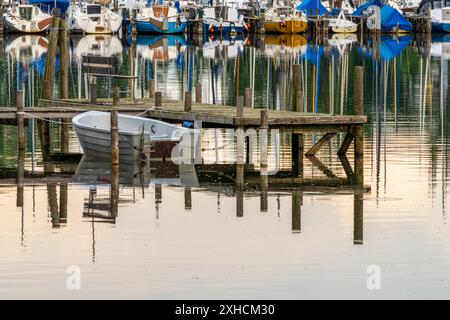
(93,91)
(187,198)
(151,88)
(49,74)
(63,200)
(20,147)
(297,202)
(187,102)
(249,97)
(358,217)
(64,74)
(158,100)
(240,162)
(296,83)
(115,154)
(64,58)
(358,129)
(20,120)
(198,92)
(297,154)
(263,145)
(239,107)
(52,195)
(133,22)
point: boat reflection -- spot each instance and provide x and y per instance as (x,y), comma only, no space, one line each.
(284,46)
(161,47)
(97,45)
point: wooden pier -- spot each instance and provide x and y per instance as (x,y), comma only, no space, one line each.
(173,111)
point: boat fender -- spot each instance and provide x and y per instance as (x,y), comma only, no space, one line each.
(188,124)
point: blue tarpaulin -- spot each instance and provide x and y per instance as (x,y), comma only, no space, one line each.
(311,7)
(391,18)
(48,5)
(390,46)
(361,9)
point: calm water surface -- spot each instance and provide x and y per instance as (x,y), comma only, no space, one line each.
(179,236)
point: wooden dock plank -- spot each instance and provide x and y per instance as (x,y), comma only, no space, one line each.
(218,115)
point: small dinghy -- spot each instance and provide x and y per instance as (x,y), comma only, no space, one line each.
(135,136)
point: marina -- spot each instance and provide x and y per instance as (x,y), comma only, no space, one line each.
(187,150)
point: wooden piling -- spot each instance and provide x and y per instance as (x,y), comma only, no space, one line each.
(297,155)
(20,148)
(49,75)
(297,202)
(158,100)
(240,161)
(264,117)
(151,88)
(249,97)
(198,92)
(93,91)
(358,218)
(187,198)
(115,153)
(63,201)
(239,107)
(20,120)
(358,129)
(263,153)
(64,58)
(115,128)
(187,102)
(296,83)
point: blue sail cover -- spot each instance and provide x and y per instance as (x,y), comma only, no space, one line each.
(390,18)
(361,9)
(309,7)
(390,46)
(48,5)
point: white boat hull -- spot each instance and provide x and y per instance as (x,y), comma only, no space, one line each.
(106,22)
(136,135)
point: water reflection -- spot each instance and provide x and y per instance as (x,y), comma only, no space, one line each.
(202,209)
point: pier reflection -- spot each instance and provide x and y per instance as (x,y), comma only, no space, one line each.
(406,91)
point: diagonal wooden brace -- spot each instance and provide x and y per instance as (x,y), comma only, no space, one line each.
(322,167)
(346,143)
(315,148)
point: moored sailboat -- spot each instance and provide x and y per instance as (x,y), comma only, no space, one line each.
(283,18)
(223,20)
(163,19)
(93,18)
(26,19)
